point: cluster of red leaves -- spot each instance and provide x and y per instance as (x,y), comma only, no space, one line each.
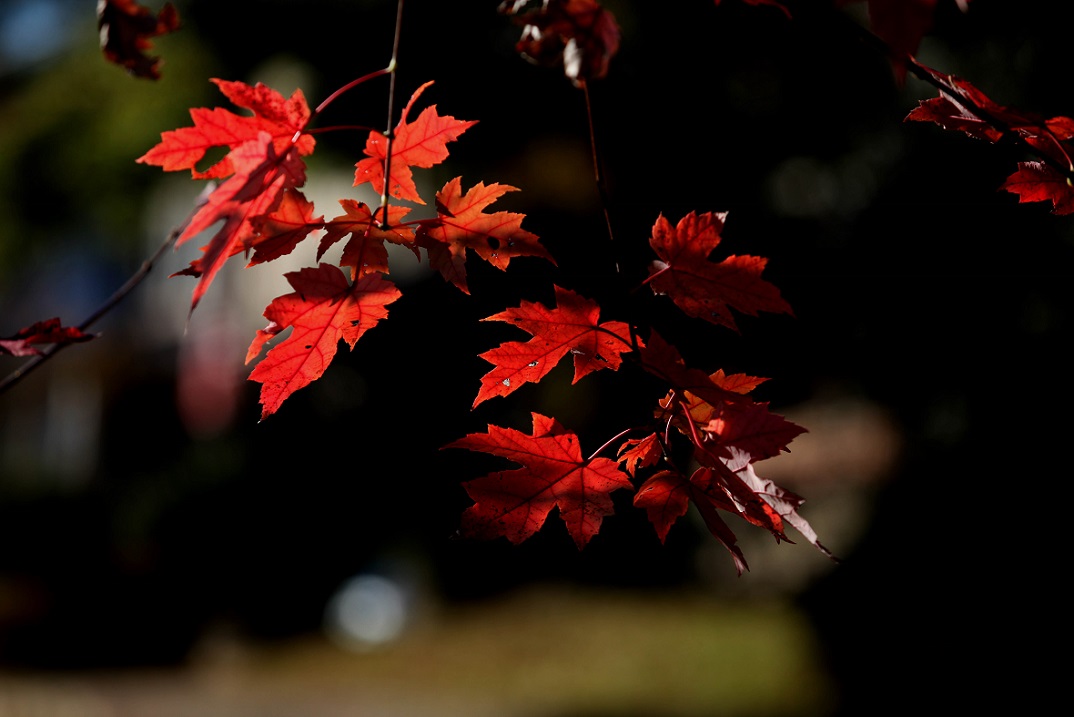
(262,214)
(127,29)
(727,431)
(964,108)
(25,341)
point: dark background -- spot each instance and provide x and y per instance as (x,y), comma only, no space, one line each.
(916,286)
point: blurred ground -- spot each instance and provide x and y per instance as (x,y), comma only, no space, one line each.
(546,651)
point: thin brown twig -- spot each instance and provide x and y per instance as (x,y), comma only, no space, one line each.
(119,295)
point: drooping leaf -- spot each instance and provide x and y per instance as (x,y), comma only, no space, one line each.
(365,252)
(572,326)
(580,36)
(970,111)
(127,28)
(421,143)
(283,119)
(261,176)
(462,224)
(515,504)
(25,341)
(700,287)
(323,309)
(666,497)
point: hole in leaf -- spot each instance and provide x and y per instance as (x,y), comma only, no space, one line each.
(494,243)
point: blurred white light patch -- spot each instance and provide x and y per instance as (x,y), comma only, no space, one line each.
(367,612)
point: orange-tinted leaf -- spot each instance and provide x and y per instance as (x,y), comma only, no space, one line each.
(126,29)
(365,251)
(1038,182)
(256,188)
(462,224)
(704,289)
(50,331)
(748,426)
(515,504)
(323,309)
(421,143)
(572,326)
(579,35)
(640,452)
(279,232)
(281,118)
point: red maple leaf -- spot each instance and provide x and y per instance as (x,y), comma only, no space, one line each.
(279,232)
(579,35)
(1038,182)
(702,288)
(126,29)
(462,224)
(640,452)
(323,309)
(284,119)
(50,331)
(667,494)
(515,504)
(570,327)
(421,143)
(365,252)
(261,176)
(967,109)
(666,497)
(747,426)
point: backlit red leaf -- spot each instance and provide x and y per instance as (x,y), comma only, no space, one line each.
(261,176)
(421,143)
(127,28)
(279,232)
(365,252)
(1038,182)
(281,118)
(515,504)
(572,326)
(462,224)
(323,309)
(702,288)
(640,452)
